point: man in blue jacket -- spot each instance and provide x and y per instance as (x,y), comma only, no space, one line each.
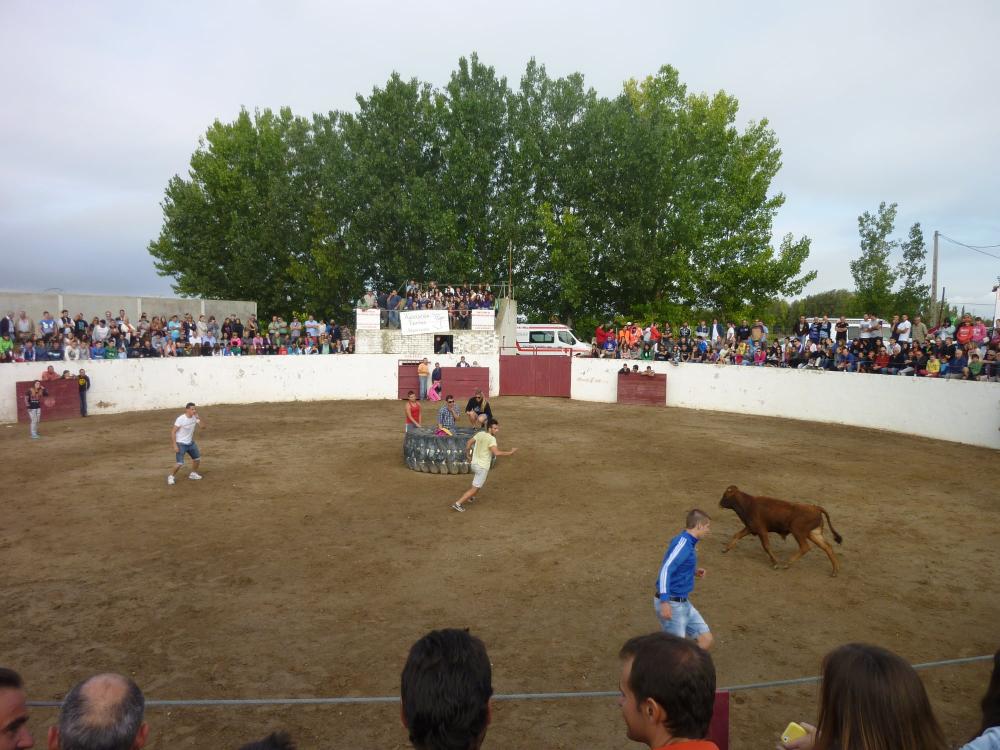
(676,581)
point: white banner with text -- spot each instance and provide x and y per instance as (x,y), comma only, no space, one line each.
(368,320)
(483,320)
(414,322)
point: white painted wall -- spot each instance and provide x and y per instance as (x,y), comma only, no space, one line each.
(942,409)
(946,410)
(143,384)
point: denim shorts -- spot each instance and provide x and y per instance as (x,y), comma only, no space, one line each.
(189,448)
(685,621)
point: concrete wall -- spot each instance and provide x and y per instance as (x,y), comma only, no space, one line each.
(473,344)
(942,409)
(946,410)
(146,384)
(96,304)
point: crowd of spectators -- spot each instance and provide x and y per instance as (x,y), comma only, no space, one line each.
(966,349)
(74,338)
(869,698)
(458,300)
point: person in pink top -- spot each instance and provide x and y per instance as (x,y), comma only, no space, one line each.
(667,688)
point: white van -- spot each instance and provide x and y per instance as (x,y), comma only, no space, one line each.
(549,338)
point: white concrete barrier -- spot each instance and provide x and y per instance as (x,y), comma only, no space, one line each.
(952,410)
(142,384)
(946,410)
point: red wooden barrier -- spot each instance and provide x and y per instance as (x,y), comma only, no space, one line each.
(63,401)
(718,730)
(461,382)
(535,375)
(642,390)
(407,378)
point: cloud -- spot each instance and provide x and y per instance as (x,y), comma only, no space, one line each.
(894,101)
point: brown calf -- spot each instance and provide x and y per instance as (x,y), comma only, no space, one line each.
(761,515)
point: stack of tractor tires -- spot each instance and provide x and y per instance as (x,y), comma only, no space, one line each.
(425,451)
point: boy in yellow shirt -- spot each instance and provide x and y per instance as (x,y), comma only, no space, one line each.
(481,448)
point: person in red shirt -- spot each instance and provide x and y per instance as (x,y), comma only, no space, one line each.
(601,334)
(963,333)
(412,412)
(667,688)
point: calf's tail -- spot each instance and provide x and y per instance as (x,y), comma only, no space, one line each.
(836,537)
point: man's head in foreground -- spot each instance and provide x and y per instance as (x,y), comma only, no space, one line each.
(104,712)
(667,689)
(446,688)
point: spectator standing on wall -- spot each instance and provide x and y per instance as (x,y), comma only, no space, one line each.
(424,376)
(840,329)
(83,381)
(918,331)
(801,329)
(904,332)
(33,400)
(7,325)
(24,326)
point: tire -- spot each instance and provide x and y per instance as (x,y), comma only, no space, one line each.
(428,453)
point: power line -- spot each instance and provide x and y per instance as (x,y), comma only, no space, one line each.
(975,248)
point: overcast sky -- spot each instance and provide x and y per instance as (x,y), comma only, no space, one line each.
(871,100)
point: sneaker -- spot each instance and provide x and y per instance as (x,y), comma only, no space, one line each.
(171,479)
(194,475)
(459,508)
(36,437)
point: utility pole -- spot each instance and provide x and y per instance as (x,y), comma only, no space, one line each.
(934,267)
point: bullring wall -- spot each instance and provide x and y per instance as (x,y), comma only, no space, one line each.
(944,410)
(953,410)
(144,384)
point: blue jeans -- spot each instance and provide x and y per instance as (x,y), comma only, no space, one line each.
(685,621)
(424,380)
(189,448)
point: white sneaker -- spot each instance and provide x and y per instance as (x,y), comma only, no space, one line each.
(171,479)
(194,475)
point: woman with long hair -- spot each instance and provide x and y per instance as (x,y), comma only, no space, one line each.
(870,699)
(988,737)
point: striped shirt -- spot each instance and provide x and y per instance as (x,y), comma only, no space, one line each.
(678,567)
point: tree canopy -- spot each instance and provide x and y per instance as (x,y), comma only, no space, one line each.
(652,199)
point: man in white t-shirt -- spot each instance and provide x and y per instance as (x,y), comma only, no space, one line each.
(481,448)
(182,437)
(903,332)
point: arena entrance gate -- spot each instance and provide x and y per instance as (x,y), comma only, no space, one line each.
(535,375)
(461,382)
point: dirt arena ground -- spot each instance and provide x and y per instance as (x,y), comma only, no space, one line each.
(310,558)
